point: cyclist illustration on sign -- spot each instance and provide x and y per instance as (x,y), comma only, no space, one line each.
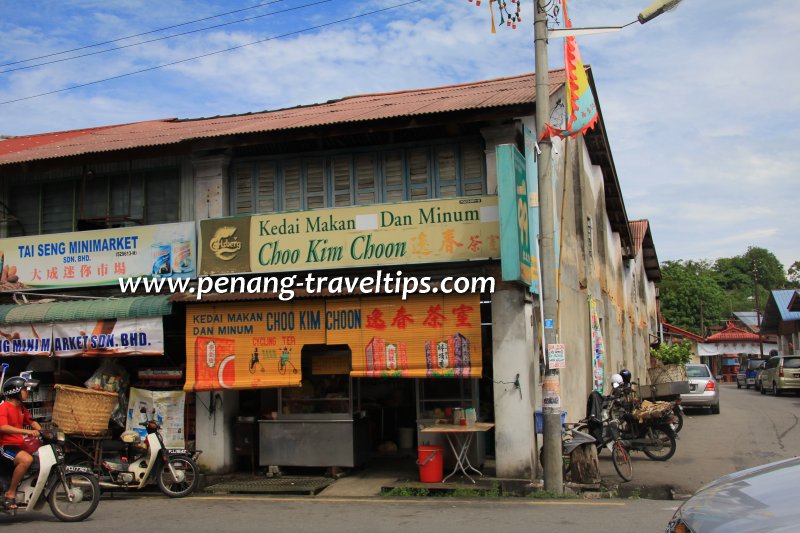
(254,361)
(285,360)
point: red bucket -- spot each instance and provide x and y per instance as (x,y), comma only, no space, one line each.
(429,460)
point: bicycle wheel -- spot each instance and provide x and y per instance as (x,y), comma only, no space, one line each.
(621,460)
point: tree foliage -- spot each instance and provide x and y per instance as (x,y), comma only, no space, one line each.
(725,286)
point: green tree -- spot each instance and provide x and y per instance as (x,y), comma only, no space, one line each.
(794,275)
(688,286)
(756,270)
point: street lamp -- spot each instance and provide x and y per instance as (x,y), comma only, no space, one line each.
(551,413)
(655,9)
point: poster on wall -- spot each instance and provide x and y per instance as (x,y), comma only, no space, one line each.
(165,407)
(98,257)
(598,349)
(258,345)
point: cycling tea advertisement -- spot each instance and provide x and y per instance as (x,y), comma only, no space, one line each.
(258,345)
(97,257)
(96,338)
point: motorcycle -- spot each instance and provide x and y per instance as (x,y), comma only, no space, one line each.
(71,491)
(654,436)
(133,465)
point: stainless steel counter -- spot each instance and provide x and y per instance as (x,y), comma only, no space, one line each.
(313,440)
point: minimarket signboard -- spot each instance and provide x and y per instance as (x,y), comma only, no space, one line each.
(258,345)
(431,231)
(98,257)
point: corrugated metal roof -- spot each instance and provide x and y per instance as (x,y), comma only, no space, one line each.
(488,94)
(643,240)
(682,332)
(777,310)
(139,306)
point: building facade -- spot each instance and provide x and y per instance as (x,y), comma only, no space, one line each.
(402,181)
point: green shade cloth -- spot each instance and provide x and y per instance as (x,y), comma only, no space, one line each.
(38,313)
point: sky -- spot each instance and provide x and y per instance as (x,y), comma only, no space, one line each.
(698,103)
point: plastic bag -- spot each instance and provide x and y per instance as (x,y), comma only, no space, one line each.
(111,377)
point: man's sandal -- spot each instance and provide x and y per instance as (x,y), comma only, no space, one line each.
(9,504)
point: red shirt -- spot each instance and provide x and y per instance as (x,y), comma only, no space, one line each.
(16,416)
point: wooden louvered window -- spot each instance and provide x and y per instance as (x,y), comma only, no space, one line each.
(342,181)
(393,182)
(418,174)
(315,184)
(472,174)
(292,190)
(365,179)
(265,187)
(243,192)
(446,171)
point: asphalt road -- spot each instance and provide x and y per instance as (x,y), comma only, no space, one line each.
(301,515)
(750,430)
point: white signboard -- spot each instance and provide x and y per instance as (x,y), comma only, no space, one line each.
(98,257)
(107,337)
(556,354)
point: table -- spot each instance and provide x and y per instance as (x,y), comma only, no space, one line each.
(460,447)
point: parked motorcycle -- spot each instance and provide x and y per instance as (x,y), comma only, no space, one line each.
(132,465)
(654,436)
(71,491)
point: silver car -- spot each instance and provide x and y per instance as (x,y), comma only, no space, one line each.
(763,498)
(703,388)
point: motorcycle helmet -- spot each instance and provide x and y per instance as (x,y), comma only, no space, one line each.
(12,388)
(626,375)
(616,381)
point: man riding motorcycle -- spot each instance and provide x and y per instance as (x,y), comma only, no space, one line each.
(13,417)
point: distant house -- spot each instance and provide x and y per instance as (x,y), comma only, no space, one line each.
(724,350)
(782,318)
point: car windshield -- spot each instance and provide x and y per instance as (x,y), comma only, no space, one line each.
(791,362)
(697,371)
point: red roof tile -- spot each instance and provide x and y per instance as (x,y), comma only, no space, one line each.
(732,333)
(488,94)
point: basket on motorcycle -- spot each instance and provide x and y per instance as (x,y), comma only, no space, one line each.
(83,411)
(649,410)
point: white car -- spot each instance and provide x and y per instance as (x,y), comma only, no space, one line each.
(703,388)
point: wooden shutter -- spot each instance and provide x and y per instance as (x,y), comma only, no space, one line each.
(446,171)
(342,181)
(243,182)
(315,183)
(365,179)
(58,201)
(291,186)
(472,161)
(418,174)
(393,189)
(265,185)
(24,200)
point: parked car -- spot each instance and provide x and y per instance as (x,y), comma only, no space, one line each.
(780,374)
(703,388)
(760,369)
(763,498)
(747,372)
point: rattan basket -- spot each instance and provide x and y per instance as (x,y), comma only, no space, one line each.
(83,411)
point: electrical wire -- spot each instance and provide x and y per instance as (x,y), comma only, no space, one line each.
(95,82)
(139,34)
(163,38)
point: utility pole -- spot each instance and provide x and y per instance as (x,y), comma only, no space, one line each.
(758,309)
(551,414)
